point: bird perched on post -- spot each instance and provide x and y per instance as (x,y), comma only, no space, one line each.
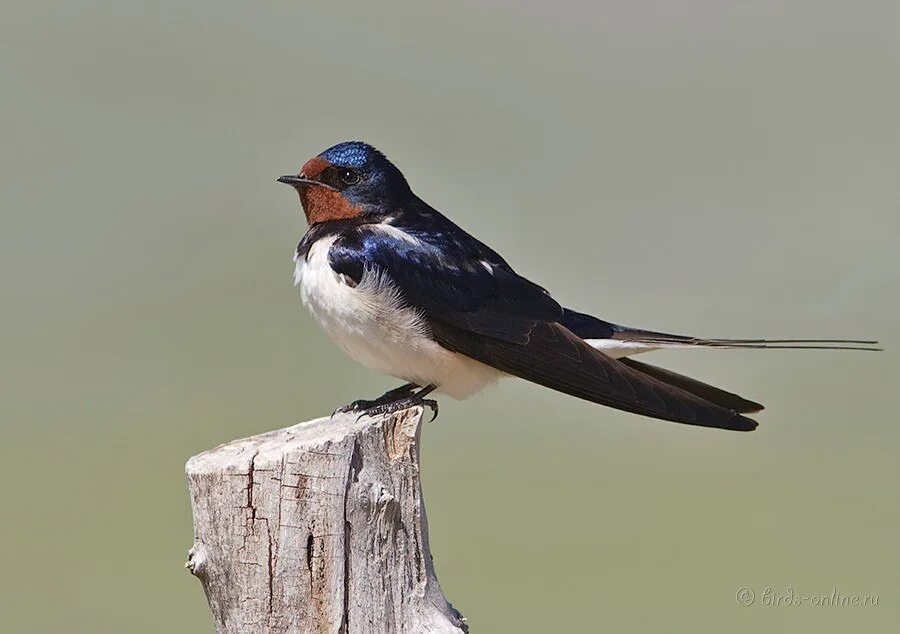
(405,291)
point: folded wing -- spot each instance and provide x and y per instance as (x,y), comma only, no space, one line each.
(556,358)
(478,306)
(710,393)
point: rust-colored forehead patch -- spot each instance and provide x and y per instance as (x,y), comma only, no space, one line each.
(314,166)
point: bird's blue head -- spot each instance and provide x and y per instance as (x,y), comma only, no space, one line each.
(348,180)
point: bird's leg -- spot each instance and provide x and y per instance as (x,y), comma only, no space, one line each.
(396,405)
(362,405)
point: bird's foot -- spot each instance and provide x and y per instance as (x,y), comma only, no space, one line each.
(363,405)
(399,405)
(358,405)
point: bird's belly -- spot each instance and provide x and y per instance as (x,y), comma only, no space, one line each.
(370,323)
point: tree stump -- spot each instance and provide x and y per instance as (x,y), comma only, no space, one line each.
(318,527)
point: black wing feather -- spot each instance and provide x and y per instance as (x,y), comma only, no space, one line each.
(705,391)
(556,358)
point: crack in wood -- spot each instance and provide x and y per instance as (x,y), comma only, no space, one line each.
(345,546)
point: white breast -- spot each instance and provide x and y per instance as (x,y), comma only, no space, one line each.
(371,324)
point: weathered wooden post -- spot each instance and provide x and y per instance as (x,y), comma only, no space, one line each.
(319,527)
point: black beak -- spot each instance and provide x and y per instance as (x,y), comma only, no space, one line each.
(301,181)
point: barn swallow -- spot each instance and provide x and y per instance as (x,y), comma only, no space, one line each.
(405,291)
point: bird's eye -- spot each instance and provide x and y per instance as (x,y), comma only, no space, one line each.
(349,177)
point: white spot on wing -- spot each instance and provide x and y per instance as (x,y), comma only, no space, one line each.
(617,348)
(394,232)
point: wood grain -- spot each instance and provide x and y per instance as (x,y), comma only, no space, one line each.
(318,527)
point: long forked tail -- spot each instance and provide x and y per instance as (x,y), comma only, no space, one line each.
(620,341)
(665,340)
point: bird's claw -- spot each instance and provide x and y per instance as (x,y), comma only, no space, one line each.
(365,405)
(359,405)
(400,405)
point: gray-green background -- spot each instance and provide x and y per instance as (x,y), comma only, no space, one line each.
(708,167)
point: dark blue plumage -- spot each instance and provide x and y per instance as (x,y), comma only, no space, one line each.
(446,274)
(381,185)
(587,326)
